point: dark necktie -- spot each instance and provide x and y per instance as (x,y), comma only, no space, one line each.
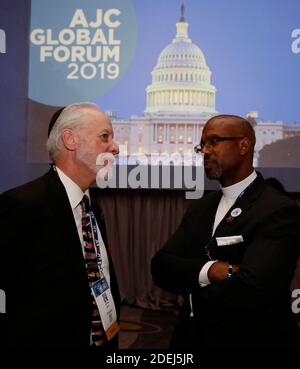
(90,256)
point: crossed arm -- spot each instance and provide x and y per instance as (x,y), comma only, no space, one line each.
(264,272)
(219,271)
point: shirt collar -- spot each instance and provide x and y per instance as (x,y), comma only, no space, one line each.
(233,191)
(74,192)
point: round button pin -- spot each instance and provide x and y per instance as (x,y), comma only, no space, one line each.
(236,212)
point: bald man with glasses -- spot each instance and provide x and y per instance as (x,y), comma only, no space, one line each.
(235,252)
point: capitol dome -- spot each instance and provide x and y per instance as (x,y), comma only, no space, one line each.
(181,53)
(181,79)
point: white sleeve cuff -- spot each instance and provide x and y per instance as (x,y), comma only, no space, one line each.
(203,278)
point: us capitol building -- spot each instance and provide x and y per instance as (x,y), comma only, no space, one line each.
(180,99)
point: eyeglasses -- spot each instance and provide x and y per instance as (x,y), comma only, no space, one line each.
(212,142)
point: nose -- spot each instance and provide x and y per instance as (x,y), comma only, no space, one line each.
(114,148)
(206,148)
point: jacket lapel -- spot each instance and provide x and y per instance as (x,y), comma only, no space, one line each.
(206,212)
(61,212)
(239,209)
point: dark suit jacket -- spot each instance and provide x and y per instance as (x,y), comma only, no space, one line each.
(43,269)
(252,308)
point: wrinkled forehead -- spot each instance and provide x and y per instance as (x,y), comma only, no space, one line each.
(222,127)
(99,120)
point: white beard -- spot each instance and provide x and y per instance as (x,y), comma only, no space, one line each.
(87,158)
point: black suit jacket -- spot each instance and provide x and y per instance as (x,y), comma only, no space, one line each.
(252,308)
(43,269)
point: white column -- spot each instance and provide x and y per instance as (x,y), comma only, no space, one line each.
(165,133)
(168,132)
(197,136)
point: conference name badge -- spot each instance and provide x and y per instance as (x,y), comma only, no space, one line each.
(106,307)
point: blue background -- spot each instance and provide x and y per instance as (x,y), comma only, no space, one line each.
(247,46)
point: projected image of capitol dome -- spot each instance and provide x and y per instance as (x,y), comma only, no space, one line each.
(180,99)
(181,79)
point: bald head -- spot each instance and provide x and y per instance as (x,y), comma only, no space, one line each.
(234,124)
(227,145)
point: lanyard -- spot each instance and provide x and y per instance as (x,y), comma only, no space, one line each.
(96,240)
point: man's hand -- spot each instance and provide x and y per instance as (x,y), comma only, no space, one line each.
(219,271)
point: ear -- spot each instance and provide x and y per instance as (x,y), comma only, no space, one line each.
(70,139)
(245,146)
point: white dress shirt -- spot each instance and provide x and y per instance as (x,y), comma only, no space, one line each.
(75,195)
(230,195)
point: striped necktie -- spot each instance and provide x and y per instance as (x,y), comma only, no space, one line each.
(90,256)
